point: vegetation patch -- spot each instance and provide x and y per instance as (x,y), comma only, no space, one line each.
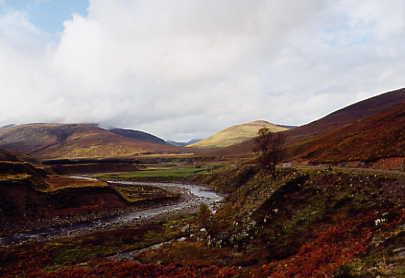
(143,193)
(154,175)
(29,259)
(313,223)
(60,182)
(191,254)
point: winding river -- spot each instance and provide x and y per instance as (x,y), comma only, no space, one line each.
(194,196)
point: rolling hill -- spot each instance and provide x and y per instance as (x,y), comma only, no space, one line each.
(235,134)
(56,141)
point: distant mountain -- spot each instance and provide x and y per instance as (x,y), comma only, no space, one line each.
(183,144)
(55,141)
(236,134)
(138,135)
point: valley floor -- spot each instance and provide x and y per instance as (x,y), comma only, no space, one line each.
(308,222)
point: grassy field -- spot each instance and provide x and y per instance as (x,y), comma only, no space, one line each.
(154,175)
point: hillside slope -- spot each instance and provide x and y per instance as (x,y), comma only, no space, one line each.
(378,136)
(51,141)
(235,134)
(347,115)
(313,221)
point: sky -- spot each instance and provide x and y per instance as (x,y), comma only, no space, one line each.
(183,69)
(47,15)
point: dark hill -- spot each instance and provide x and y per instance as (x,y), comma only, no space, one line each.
(138,135)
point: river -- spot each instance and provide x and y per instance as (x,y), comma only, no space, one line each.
(194,196)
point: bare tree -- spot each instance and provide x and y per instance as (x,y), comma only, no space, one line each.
(204,215)
(269,145)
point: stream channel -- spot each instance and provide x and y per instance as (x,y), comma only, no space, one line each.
(193,195)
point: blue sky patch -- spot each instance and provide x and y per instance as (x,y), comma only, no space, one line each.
(47,15)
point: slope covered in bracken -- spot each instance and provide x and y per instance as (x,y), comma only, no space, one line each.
(51,141)
(379,136)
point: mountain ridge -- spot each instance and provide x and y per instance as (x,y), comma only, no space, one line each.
(50,141)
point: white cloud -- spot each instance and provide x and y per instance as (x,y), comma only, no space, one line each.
(186,68)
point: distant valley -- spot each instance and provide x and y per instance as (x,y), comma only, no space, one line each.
(183,144)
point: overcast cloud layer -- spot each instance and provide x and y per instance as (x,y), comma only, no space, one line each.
(185,69)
